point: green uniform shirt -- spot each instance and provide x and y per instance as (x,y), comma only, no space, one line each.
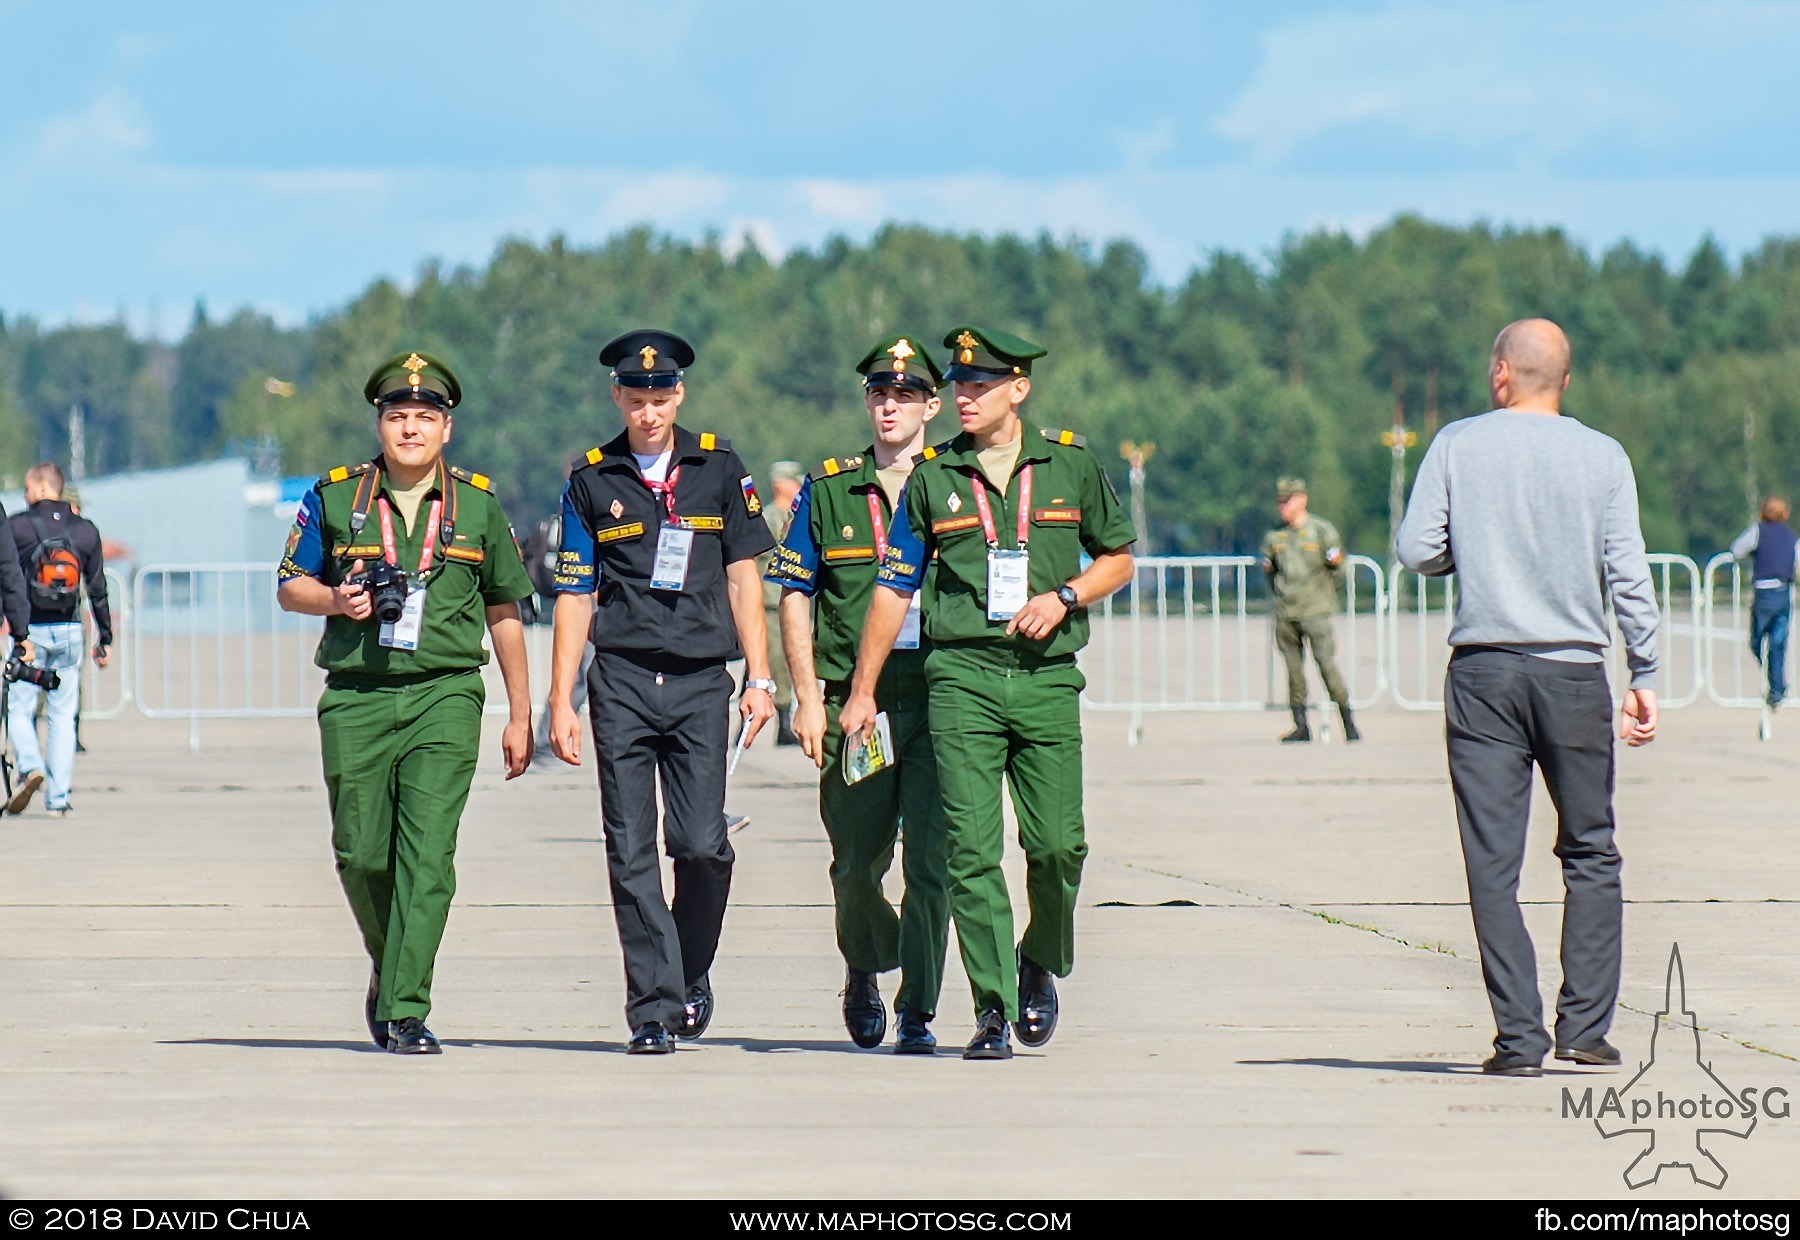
(1072,509)
(830,554)
(1305,565)
(478,568)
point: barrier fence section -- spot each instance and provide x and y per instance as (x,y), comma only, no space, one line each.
(1184,635)
(1423,608)
(1733,675)
(106,691)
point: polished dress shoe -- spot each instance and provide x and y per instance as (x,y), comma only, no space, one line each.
(696,1012)
(1602,1054)
(411,1037)
(912,1034)
(650,1039)
(378,1029)
(865,1016)
(993,1038)
(1037,1002)
(1511,1065)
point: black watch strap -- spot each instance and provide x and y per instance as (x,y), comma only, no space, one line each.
(1065,594)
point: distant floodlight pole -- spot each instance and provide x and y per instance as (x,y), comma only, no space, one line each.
(269,456)
(1135,455)
(1398,440)
(77,445)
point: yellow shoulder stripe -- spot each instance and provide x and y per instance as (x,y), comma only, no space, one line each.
(473,479)
(595,456)
(707,440)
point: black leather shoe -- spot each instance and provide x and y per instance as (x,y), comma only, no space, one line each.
(378,1029)
(912,1034)
(1301,733)
(1350,730)
(1037,1003)
(1602,1054)
(865,1015)
(993,1038)
(1511,1065)
(411,1037)
(696,1015)
(650,1039)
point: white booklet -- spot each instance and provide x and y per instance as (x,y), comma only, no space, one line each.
(862,759)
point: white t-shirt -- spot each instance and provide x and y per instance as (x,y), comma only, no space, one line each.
(655,468)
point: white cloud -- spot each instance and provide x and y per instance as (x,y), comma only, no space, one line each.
(112,125)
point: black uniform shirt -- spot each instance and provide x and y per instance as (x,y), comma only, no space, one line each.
(610,524)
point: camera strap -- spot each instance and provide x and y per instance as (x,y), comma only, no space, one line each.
(391,553)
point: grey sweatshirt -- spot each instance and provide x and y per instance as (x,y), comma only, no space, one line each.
(1538,518)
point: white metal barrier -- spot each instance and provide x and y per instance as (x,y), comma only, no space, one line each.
(1181,636)
(106,691)
(1422,610)
(1736,679)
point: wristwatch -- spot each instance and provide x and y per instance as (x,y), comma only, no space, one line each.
(1065,594)
(766,685)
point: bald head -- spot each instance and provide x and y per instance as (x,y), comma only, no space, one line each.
(1530,366)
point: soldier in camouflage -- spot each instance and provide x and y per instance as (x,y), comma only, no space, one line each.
(1304,562)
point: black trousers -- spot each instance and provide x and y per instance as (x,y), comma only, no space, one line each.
(1503,713)
(671,727)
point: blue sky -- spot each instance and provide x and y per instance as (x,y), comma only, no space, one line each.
(283,155)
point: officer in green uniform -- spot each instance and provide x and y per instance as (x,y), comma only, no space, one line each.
(826,568)
(1304,562)
(785,481)
(409,561)
(992,528)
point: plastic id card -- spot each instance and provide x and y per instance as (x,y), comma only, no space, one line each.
(403,634)
(1008,583)
(673,548)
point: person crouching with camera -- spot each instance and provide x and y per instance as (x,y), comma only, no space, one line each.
(408,560)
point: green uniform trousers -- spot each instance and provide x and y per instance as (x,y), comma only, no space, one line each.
(994,711)
(863,821)
(1316,632)
(398,761)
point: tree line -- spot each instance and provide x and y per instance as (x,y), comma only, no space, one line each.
(1250,368)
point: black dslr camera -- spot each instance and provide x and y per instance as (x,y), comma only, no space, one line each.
(386,585)
(18,669)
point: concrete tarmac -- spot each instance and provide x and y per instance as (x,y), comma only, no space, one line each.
(1277,991)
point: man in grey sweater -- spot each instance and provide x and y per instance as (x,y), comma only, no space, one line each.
(1538,517)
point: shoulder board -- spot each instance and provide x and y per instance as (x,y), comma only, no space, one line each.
(710,442)
(832,466)
(1068,439)
(474,480)
(344,471)
(593,456)
(932,452)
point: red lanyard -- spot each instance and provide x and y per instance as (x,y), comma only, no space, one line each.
(431,535)
(880,525)
(987,513)
(666,491)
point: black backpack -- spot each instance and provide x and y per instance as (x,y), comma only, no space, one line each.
(55,577)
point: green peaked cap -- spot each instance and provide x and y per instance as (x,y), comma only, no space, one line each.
(413,376)
(978,353)
(902,360)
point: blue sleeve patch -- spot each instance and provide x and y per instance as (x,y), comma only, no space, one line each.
(576,570)
(903,567)
(795,563)
(305,553)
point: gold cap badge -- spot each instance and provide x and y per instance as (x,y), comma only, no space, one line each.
(415,363)
(967,343)
(648,353)
(901,350)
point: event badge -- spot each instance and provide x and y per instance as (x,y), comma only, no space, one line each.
(1008,584)
(908,638)
(673,547)
(403,634)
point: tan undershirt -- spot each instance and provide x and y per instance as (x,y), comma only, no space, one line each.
(997,461)
(408,501)
(892,479)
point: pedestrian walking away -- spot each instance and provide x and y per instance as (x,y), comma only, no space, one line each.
(410,561)
(826,567)
(1537,516)
(1774,552)
(992,528)
(660,533)
(59,555)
